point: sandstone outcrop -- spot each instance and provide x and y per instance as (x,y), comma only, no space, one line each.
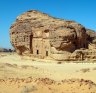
(43,36)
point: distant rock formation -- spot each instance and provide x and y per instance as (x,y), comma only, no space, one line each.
(5,50)
(41,36)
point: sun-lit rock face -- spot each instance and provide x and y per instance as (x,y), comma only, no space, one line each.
(20,36)
(68,38)
(41,35)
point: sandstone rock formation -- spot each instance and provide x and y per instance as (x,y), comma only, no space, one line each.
(41,35)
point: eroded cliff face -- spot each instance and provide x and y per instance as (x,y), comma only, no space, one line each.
(41,35)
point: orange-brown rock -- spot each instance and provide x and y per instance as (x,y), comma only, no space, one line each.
(41,35)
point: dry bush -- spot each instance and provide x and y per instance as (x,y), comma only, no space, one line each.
(28,89)
(85,70)
(59,62)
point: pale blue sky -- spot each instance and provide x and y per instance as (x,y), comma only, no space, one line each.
(82,11)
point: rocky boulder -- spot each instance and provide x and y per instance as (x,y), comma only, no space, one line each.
(64,36)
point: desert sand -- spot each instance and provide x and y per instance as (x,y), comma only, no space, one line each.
(19,75)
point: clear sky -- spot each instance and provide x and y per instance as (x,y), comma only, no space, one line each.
(82,11)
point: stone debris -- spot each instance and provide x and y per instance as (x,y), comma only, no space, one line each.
(40,84)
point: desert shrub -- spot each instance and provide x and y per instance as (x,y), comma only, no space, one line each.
(28,89)
(24,90)
(85,70)
(59,62)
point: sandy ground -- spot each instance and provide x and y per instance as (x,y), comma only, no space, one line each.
(29,76)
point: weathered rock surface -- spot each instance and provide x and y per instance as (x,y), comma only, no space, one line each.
(41,35)
(91,35)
